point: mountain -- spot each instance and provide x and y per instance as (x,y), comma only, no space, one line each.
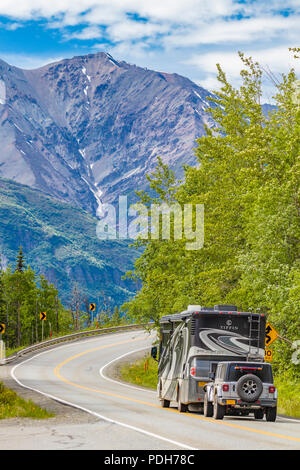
(59,241)
(86,130)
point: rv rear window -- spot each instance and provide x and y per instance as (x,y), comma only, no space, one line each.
(202,367)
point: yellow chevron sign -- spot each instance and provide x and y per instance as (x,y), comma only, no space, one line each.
(271,334)
(43,316)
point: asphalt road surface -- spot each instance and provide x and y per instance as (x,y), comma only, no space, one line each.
(129,417)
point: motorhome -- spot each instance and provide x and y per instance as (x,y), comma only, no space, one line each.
(193,342)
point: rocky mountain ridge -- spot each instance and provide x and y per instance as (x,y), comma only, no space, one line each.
(86,130)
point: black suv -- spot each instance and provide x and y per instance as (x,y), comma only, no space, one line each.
(238,388)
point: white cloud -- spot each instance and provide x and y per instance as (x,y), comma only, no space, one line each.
(240,31)
(179,11)
(90,32)
(278,60)
(183,22)
(190,36)
(132,30)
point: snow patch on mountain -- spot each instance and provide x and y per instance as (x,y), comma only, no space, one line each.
(97,193)
(2,92)
(84,73)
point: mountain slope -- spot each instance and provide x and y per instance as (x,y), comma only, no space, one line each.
(59,241)
(87,129)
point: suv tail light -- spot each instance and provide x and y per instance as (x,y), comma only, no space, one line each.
(225,388)
(272,389)
(193,371)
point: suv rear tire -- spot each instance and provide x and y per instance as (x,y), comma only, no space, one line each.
(219,410)
(259,414)
(249,387)
(271,413)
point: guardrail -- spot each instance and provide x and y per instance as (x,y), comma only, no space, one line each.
(72,336)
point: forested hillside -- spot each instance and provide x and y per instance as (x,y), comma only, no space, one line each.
(59,241)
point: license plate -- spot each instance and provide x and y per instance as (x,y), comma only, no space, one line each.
(230,402)
(201,384)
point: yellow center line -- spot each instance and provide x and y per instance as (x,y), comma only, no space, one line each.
(153,405)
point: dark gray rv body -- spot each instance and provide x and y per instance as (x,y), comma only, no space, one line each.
(194,341)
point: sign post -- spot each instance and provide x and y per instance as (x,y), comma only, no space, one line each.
(43,317)
(92,309)
(2,345)
(2,350)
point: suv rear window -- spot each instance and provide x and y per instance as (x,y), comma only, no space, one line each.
(263,371)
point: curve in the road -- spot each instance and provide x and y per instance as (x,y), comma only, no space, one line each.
(66,373)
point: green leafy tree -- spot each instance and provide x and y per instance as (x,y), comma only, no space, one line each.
(116,317)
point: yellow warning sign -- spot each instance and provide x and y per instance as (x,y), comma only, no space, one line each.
(43,316)
(271,334)
(268,355)
(92,307)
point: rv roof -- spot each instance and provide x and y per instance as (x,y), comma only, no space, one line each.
(202,311)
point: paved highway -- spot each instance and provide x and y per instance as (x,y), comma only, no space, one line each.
(131,417)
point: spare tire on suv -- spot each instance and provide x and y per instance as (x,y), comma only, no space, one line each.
(249,387)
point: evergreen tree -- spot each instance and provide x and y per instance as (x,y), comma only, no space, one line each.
(20,261)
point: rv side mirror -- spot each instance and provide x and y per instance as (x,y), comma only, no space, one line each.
(211,375)
(154,352)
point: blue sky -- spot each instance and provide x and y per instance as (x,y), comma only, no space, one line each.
(184,36)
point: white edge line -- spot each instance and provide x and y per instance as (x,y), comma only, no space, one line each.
(119,423)
(283,418)
(101,372)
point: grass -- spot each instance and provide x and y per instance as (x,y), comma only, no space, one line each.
(12,406)
(288,396)
(142,372)
(288,390)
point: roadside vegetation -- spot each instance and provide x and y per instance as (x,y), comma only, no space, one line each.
(12,406)
(288,396)
(142,372)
